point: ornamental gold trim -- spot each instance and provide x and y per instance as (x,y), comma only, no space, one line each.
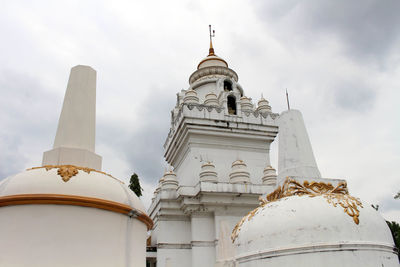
(335,195)
(66,172)
(74,200)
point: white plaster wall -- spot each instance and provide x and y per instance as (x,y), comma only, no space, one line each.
(224,224)
(173,239)
(255,154)
(174,232)
(203,256)
(204,89)
(174,257)
(203,228)
(58,235)
(203,240)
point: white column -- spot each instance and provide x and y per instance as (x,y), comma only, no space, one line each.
(296,157)
(75,139)
(203,240)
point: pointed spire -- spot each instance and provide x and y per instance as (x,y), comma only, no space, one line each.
(287,100)
(75,138)
(296,157)
(212,34)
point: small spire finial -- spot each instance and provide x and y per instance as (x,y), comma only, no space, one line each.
(212,34)
(287,100)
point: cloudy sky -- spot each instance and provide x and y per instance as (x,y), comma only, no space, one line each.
(340,61)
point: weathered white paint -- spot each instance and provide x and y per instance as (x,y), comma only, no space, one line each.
(75,138)
(309,231)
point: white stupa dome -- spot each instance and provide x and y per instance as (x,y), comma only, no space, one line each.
(71,215)
(313,225)
(72,181)
(64,214)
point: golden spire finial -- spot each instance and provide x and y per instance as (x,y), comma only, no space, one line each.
(212,34)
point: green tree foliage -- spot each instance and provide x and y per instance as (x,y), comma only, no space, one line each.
(397,196)
(134,185)
(395,229)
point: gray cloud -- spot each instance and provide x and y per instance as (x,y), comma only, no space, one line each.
(142,147)
(389,204)
(354,95)
(367,29)
(27,118)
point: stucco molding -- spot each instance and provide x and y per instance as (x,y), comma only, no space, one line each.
(329,247)
(73,200)
(213,70)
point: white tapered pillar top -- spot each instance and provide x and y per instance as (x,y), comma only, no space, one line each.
(296,157)
(75,138)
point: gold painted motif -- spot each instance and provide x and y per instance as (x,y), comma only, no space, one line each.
(338,195)
(66,172)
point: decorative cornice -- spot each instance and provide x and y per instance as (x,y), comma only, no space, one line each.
(334,195)
(204,244)
(174,246)
(213,70)
(73,200)
(66,172)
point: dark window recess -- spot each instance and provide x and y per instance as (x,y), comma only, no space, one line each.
(227,86)
(231,105)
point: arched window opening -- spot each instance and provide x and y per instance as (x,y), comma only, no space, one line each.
(231,105)
(227,86)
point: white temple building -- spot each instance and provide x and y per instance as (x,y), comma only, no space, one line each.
(220,203)
(218,148)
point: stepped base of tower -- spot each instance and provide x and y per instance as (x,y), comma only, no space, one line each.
(72,156)
(193,224)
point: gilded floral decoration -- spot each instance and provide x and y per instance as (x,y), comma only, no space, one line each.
(66,172)
(335,195)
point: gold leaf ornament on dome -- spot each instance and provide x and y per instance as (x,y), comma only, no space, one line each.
(335,195)
(66,172)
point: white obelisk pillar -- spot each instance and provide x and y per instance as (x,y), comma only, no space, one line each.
(296,157)
(75,139)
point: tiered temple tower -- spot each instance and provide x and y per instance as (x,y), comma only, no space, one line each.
(218,149)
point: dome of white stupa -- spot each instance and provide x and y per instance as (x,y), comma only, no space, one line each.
(313,224)
(73,181)
(52,212)
(67,212)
